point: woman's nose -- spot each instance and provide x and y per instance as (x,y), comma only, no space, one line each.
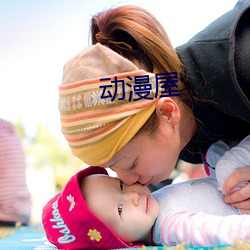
(126,177)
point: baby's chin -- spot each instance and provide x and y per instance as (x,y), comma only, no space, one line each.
(153,208)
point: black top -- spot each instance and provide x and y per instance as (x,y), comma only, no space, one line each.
(217,67)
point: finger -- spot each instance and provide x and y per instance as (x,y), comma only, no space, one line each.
(239,195)
(245,211)
(243,205)
(238,176)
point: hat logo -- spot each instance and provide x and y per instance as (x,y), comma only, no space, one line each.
(71,201)
(60,224)
(94,235)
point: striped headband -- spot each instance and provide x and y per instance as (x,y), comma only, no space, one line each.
(101,104)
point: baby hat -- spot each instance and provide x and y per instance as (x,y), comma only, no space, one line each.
(69,223)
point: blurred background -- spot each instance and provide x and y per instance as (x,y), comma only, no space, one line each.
(36,40)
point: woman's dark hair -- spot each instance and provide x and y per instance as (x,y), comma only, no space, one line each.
(137,35)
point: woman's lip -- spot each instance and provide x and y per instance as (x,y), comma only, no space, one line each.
(148,183)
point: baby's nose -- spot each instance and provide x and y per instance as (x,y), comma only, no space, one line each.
(133,198)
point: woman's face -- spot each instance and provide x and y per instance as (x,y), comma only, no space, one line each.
(148,159)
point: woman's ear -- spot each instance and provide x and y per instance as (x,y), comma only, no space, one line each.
(168,109)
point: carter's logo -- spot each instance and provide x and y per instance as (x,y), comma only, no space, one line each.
(67,237)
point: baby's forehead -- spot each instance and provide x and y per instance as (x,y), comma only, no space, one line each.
(95,176)
(96,182)
(99,177)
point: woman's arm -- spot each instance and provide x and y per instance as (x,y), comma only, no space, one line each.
(233,175)
(240,198)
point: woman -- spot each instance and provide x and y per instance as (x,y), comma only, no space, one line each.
(131,137)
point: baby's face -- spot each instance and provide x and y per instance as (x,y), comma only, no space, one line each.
(130,211)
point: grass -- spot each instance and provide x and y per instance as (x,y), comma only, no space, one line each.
(239,245)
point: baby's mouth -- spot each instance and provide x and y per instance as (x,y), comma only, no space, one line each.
(147,203)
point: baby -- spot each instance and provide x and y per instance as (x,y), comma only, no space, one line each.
(96,211)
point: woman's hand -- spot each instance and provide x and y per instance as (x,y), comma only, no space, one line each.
(241,197)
